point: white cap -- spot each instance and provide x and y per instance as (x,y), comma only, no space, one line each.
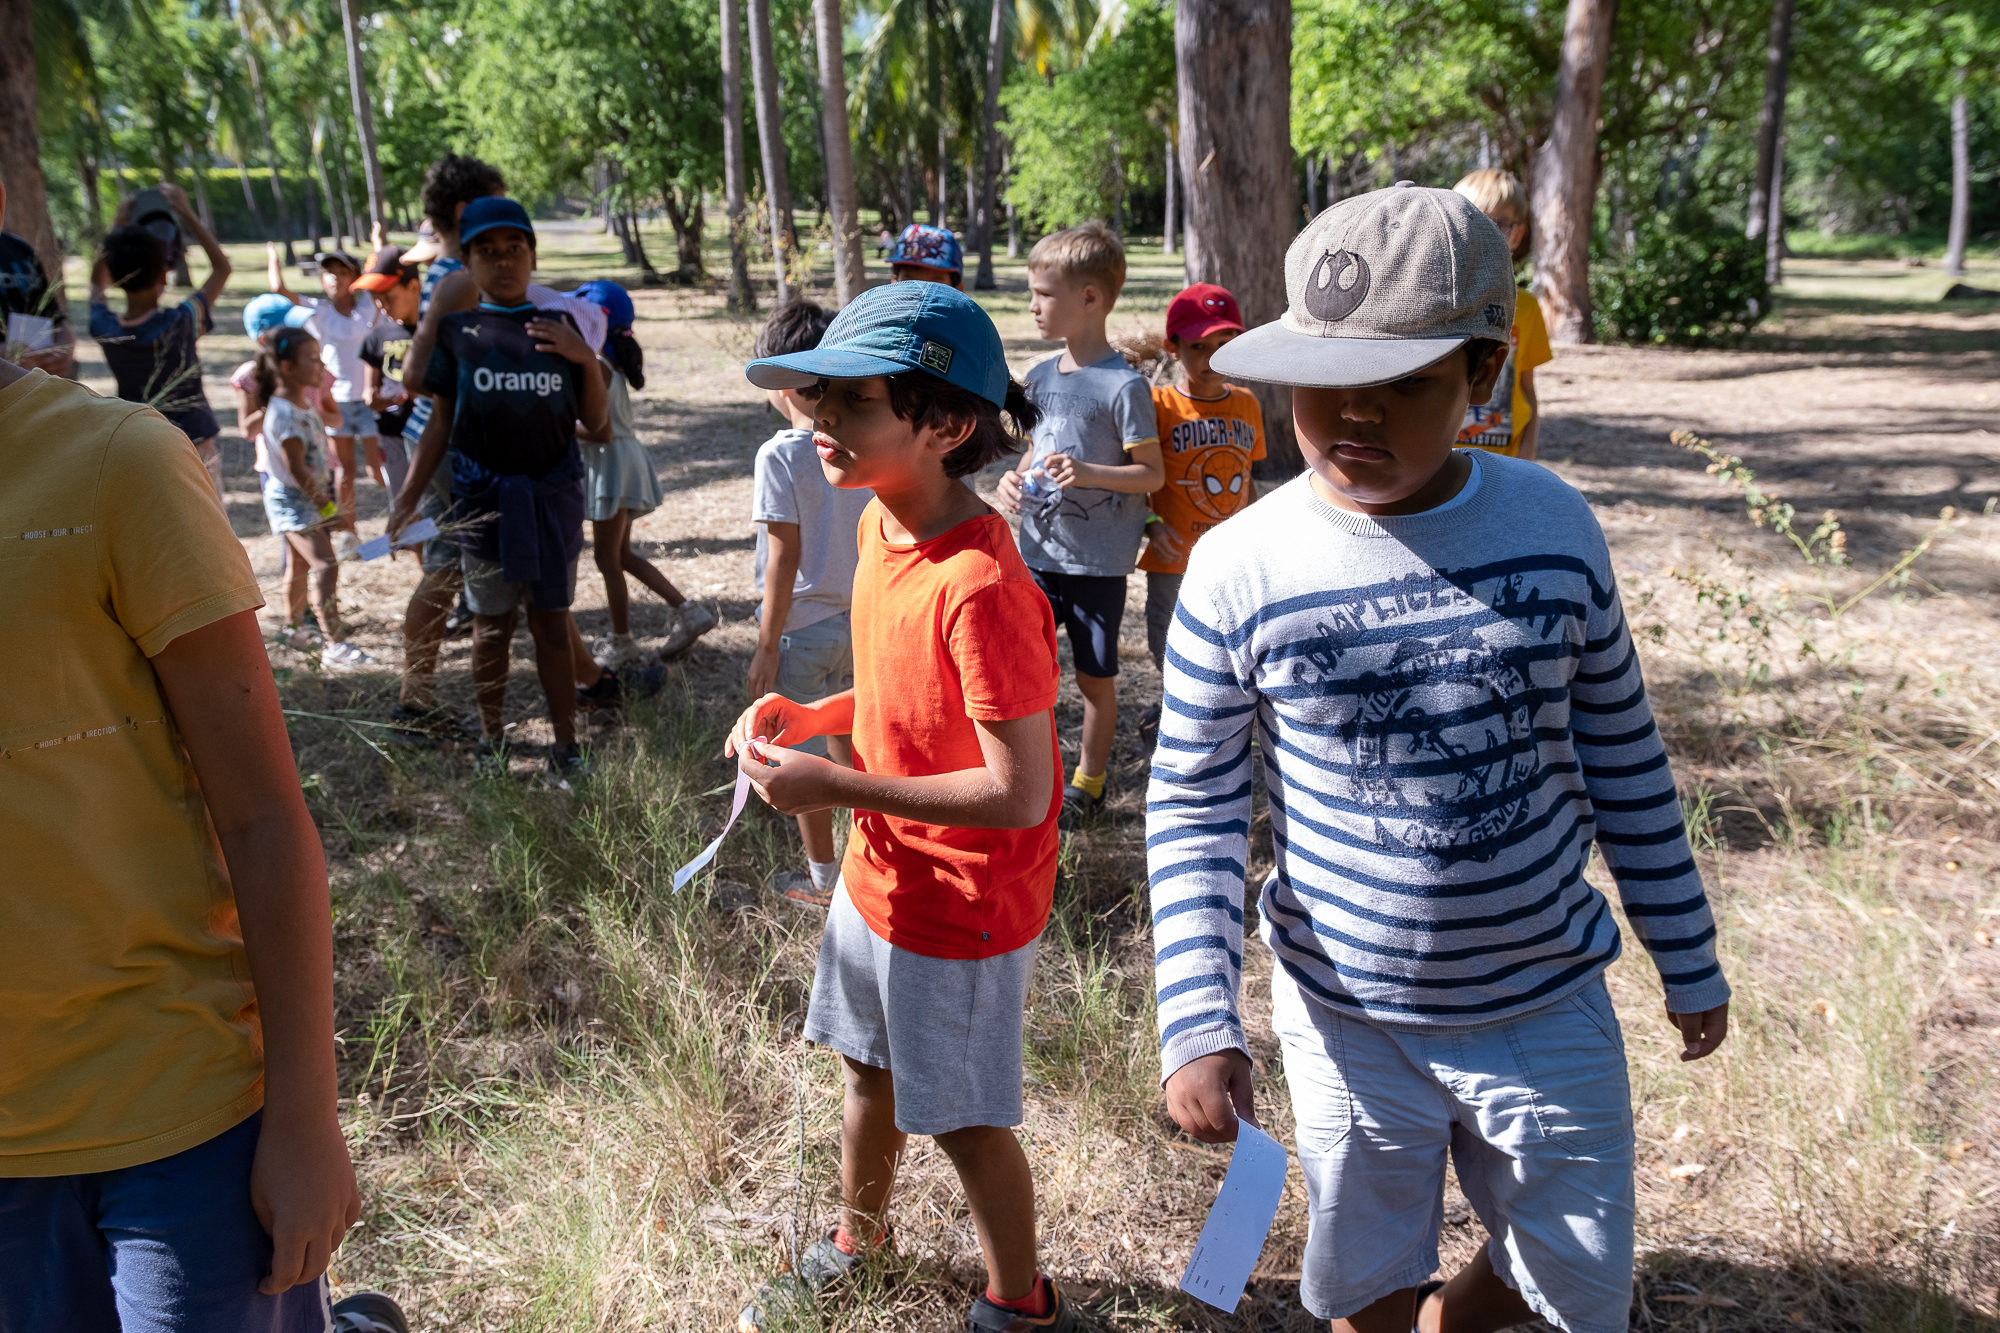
(1378,287)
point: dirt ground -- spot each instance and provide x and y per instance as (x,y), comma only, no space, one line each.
(1867,396)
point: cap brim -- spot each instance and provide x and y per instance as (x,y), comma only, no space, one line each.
(1203,330)
(1274,354)
(376,282)
(423,252)
(801,370)
(922,263)
(298,317)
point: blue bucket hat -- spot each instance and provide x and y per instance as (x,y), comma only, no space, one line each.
(272,311)
(614,300)
(494,210)
(928,247)
(888,330)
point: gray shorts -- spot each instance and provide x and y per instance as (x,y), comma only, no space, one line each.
(814,662)
(948,1030)
(441,551)
(488,593)
(1536,1116)
(355,419)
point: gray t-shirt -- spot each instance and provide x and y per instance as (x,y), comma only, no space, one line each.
(1093,414)
(792,488)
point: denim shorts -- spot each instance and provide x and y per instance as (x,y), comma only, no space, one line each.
(356,418)
(171,1246)
(288,508)
(948,1030)
(1535,1114)
(814,662)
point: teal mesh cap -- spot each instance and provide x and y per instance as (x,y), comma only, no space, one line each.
(888,330)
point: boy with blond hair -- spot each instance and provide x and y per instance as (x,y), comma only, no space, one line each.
(1511,421)
(1081,488)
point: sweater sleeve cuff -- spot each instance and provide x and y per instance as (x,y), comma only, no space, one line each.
(1698,999)
(1190,1046)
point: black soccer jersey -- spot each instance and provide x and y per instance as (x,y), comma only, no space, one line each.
(384,348)
(514,407)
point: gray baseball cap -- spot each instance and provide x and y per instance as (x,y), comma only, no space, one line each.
(1379,286)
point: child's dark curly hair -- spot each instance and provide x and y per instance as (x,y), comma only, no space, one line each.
(135,258)
(279,346)
(922,399)
(454,180)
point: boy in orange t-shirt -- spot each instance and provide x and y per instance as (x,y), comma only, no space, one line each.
(1211,431)
(950,871)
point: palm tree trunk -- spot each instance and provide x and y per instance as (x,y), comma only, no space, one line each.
(326,186)
(1173,201)
(989,159)
(1013,218)
(281,217)
(21,145)
(364,119)
(843,204)
(771,140)
(742,296)
(1234,63)
(1771,118)
(1774,224)
(1565,184)
(1961,186)
(250,197)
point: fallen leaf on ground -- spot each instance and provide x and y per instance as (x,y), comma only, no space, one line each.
(1687,1170)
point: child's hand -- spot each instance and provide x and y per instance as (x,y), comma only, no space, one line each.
(1209,1094)
(772,716)
(763,671)
(562,339)
(399,518)
(1160,540)
(790,782)
(1010,492)
(302,1190)
(1065,471)
(176,199)
(1701,1033)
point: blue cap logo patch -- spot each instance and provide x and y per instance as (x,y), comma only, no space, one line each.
(936,358)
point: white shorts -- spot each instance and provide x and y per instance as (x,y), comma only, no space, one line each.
(1536,1114)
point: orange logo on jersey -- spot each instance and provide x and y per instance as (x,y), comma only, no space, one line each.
(1217,481)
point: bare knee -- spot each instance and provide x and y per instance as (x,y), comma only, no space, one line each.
(1097,689)
(866,1081)
(973,1142)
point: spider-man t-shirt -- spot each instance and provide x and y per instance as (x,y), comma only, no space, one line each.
(1207,445)
(514,408)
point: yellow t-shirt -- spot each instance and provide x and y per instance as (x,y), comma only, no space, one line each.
(1498,424)
(128,1029)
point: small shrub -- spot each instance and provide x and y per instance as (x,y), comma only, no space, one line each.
(1686,282)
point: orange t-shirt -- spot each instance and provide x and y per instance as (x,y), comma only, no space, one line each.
(1208,445)
(945,632)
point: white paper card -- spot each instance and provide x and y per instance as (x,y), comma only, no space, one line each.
(1233,1236)
(35,332)
(420,531)
(707,854)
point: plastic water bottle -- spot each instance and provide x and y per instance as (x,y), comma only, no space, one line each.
(1042,494)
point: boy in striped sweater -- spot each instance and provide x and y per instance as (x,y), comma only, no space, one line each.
(1429,648)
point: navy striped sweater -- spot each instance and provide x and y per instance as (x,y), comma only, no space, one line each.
(1449,713)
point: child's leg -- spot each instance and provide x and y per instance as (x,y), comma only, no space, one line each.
(211,458)
(491,638)
(607,549)
(1000,1193)
(551,631)
(298,572)
(1100,722)
(1163,593)
(1476,1300)
(816,830)
(643,570)
(870,1147)
(371,453)
(325,579)
(342,449)
(423,633)
(588,673)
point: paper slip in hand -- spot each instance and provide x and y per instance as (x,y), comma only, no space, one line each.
(420,531)
(1233,1236)
(35,332)
(707,854)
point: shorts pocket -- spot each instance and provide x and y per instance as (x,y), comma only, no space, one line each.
(1573,1071)
(1311,1043)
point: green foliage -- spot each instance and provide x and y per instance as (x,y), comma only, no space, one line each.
(1686,281)
(1085,139)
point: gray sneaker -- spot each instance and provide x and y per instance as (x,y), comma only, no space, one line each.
(691,621)
(785,1299)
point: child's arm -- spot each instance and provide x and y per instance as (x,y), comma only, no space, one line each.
(430,452)
(218,260)
(274,275)
(1146,473)
(1641,833)
(217,681)
(249,416)
(457,292)
(781,572)
(1010,790)
(1531,432)
(1198,845)
(295,458)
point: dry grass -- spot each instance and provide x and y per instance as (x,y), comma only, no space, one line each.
(580,1102)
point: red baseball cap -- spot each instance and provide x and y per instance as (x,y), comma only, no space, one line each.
(1201,310)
